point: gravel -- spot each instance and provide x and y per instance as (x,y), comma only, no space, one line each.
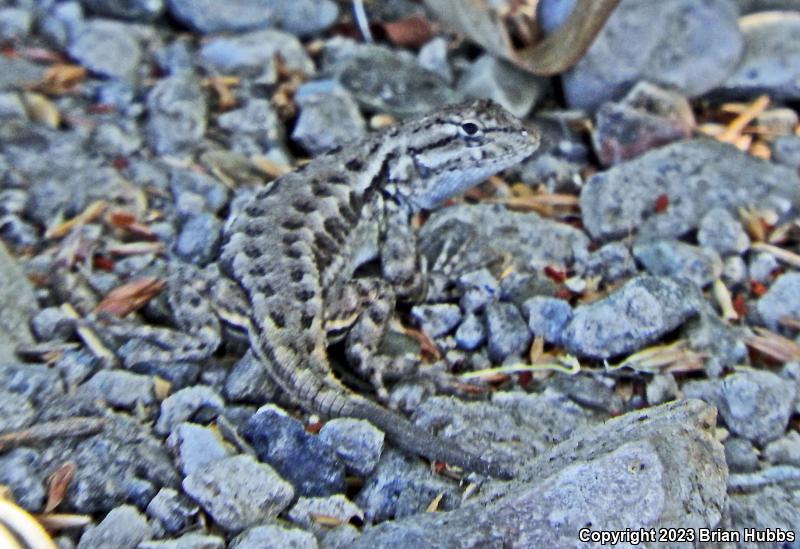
(239,492)
(305,460)
(640,312)
(123,528)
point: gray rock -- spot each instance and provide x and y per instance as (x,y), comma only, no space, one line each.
(337,506)
(774,507)
(341,537)
(547,317)
(250,52)
(740,455)
(402,485)
(734,271)
(304,17)
(632,317)
(113,140)
(507,332)
(175,57)
(254,128)
(771,61)
(782,299)
(122,528)
(384,80)
(11,107)
(611,261)
(120,389)
(513,88)
(720,231)
(662,388)
(433,57)
(273,537)
(177,114)
(36,382)
(20,471)
(18,303)
(16,72)
(722,345)
(329,117)
(680,480)
(437,319)
(756,404)
(302,459)
(471,333)
(239,492)
(786,151)
(694,49)
(171,511)
(16,411)
(134,10)
(785,450)
(199,239)
(123,463)
(762,267)
(510,428)
(529,240)
(207,192)
(61,22)
(648,117)
(196,446)
(694,176)
(200,403)
(207,16)
(357,443)
(676,259)
(249,382)
(478,289)
(15,23)
(593,391)
(188,541)
(107,48)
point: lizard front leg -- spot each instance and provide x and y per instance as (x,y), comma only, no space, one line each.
(362,309)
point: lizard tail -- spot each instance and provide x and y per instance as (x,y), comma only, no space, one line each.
(414,440)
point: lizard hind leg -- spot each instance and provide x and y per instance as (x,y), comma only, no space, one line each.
(365,306)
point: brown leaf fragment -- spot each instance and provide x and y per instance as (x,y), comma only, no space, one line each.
(92,212)
(327,521)
(433,506)
(62,78)
(41,110)
(42,432)
(136,248)
(734,130)
(57,484)
(130,297)
(411,32)
(226,99)
(499,28)
(773,345)
(55,522)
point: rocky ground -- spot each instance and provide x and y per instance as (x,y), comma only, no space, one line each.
(620,317)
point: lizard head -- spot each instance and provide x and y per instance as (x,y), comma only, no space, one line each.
(455,148)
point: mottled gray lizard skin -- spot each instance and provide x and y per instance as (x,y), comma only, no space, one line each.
(293,247)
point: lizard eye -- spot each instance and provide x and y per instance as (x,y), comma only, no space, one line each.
(469,129)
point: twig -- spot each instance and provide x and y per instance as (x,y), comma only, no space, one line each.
(72,427)
(361,19)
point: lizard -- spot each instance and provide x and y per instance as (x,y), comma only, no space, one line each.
(291,249)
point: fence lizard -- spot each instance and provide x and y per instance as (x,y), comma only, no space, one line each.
(291,251)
